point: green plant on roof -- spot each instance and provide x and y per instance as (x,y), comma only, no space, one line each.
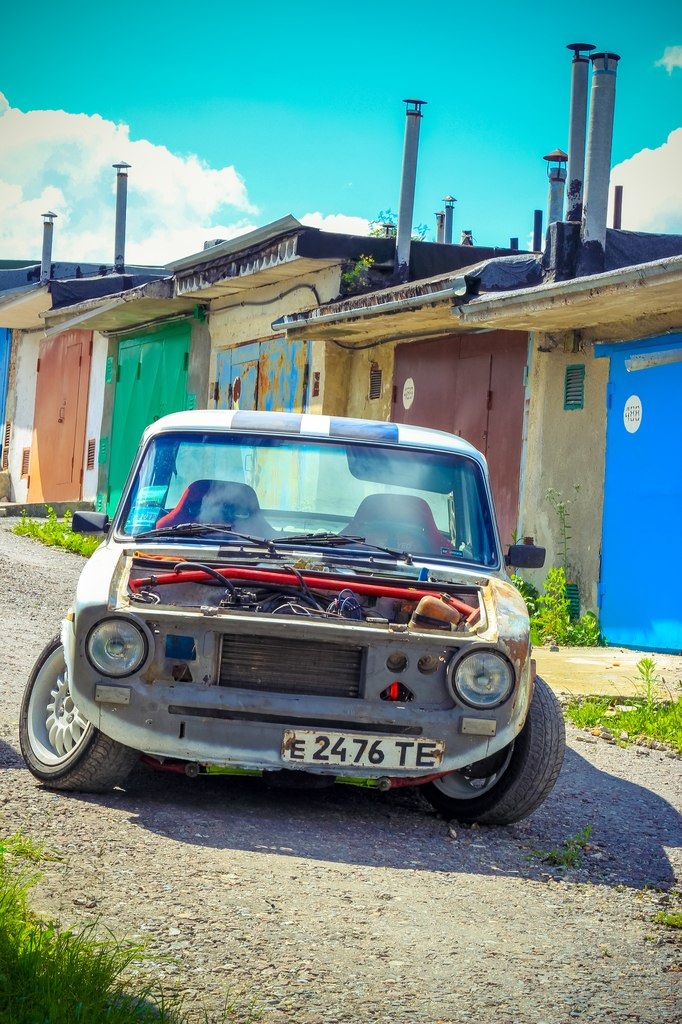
(358,275)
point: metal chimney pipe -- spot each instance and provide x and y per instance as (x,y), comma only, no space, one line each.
(598,163)
(617,206)
(537,230)
(413,116)
(46,258)
(121,203)
(440,226)
(513,243)
(576,131)
(449,213)
(557,178)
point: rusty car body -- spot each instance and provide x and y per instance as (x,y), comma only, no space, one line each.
(303,597)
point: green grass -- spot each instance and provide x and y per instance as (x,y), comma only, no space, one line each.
(50,975)
(670,918)
(570,853)
(57,532)
(649,716)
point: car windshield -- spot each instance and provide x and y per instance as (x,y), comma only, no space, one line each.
(424,502)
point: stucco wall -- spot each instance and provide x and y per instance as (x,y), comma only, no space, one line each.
(358,401)
(199,357)
(249,316)
(565,449)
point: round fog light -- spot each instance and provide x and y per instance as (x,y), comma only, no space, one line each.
(483,679)
(116,647)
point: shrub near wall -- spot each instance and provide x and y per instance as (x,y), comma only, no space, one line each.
(550,617)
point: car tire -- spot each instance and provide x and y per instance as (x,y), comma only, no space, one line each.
(512,785)
(61,748)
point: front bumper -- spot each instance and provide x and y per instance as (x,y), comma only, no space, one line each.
(206,723)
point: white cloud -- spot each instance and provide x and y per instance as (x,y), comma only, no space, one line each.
(652,198)
(52,160)
(338,222)
(672,58)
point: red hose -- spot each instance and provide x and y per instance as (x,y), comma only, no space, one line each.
(291,579)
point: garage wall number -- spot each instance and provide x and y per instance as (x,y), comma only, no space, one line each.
(632,414)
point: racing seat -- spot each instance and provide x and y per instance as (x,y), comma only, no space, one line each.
(221,502)
(401,521)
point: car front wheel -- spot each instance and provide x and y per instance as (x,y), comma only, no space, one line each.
(60,747)
(510,785)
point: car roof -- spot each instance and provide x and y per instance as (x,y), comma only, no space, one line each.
(312,425)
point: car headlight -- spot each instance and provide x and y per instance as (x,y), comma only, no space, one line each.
(116,647)
(483,679)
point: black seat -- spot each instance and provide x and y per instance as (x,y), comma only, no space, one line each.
(401,521)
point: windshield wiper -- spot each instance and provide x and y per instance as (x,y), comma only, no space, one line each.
(201,530)
(328,539)
(332,540)
(319,538)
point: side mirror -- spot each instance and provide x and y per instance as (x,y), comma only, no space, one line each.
(525,556)
(90,522)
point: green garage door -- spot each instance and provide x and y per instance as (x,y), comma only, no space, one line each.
(151,381)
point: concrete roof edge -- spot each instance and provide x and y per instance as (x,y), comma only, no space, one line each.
(58,326)
(159,288)
(10,297)
(415,293)
(669,266)
(285,225)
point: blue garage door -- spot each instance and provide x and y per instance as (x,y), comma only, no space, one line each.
(5,346)
(640,592)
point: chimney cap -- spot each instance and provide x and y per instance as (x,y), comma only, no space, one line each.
(557,155)
(418,104)
(122,166)
(49,215)
(449,199)
(604,55)
(577,47)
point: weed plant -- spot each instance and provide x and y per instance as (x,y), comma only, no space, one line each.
(570,853)
(670,918)
(648,715)
(357,278)
(56,532)
(550,619)
(54,976)
(562,507)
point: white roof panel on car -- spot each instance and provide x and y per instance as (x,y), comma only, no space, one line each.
(312,425)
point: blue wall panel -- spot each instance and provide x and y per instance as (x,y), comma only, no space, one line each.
(640,590)
(5,345)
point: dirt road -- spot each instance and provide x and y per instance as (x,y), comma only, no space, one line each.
(350,907)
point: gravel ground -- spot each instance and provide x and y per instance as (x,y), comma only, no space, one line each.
(343,906)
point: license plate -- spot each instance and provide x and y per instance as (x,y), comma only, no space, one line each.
(359,750)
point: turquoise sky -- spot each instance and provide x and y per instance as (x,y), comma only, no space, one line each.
(305,99)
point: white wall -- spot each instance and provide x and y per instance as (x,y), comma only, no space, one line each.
(21,405)
(93,426)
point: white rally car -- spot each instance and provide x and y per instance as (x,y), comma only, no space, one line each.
(281,593)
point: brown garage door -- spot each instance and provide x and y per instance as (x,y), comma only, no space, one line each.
(60,415)
(471,385)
